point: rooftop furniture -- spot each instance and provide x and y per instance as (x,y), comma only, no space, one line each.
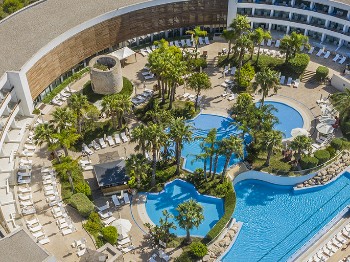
(108,221)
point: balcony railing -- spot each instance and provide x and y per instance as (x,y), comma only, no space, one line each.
(8,122)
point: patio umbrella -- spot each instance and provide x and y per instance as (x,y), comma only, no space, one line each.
(299,132)
(123,227)
(328,120)
(324,128)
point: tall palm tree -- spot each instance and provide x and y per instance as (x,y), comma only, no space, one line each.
(266,80)
(180,133)
(138,134)
(62,118)
(66,138)
(156,138)
(78,103)
(198,82)
(196,33)
(229,36)
(341,102)
(240,26)
(210,142)
(300,143)
(243,44)
(43,133)
(136,165)
(257,36)
(271,141)
(291,44)
(231,145)
(202,157)
(159,115)
(117,106)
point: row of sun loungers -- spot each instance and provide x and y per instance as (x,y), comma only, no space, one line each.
(142,98)
(36,229)
(101,144)
(62,96)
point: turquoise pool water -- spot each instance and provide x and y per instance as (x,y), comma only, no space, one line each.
(177,192)
(202,125)
(277,221)
(289,118)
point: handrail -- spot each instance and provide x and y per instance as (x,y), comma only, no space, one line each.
(8,119)
(5,98)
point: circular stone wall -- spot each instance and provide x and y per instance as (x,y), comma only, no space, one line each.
(106,75)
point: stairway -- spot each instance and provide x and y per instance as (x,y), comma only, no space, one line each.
(308,76)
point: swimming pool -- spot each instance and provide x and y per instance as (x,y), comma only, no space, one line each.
(277,221)
(179,191)
(202,125)
(289,118)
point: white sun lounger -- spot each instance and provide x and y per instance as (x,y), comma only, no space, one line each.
(81,252)
(342,60)
(311,50)
(335,59)
(320,52)
(88,167)
(108,221)
(262,43)
(105,215)
(145,73)
(171,43)
(95,145)
(126,198)
(231,97)
(115,200)
(296,83)
(35,229)
(25,197)
(206,40)
(27,152)
(147,77)
(143,52)
(128,249)
(269,42)
(327,54)
(153,47)
(25,203)
(176,43)
(38,234)
(102,143)
(148,49)
(124,137)
(49,193)
(289,81)
(44,241)
(29,147)
(67,231)
(183,42)
(32,222)
(124,241)
(200,40)
(117,139)
(277,44)
(233,71)
(87,150)
(188,42)
(282,79)
(110,141)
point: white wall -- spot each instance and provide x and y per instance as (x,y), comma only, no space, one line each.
(340,83)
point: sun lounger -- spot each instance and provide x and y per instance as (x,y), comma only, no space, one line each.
(105,215)
(67,231)
(277,44)
(117,139)
(115,200)
(269,42)
(25,162)
(340,238)
(25,197)
(102,143)
(176,43)
(336,243)
(95,145)
(342,60)
(126,198)
(35,229)
(206,40)
(191,97)
(146,73)
(224,84)
(87,150)
(148,50)
(25,203)
(128,249)
(32,222)
(38,234)
(233,71)
(188,42)
(29,147)
(282,79)
(320,52)
(63,225)
(49,193)
(143,52)
(44,241)
(311,50)
(56,102)
(327,54)
(185,95)
(149,76)
(296,83)
(124,137)
(110,141)
(183,42)
(153,47)
(88,167)
(335,59)
(231,97)
(27,153)
(81,252)
(171,43)
(24,190)
(200,40)
(124,241)
(289,81)
(23,180)
(108,221)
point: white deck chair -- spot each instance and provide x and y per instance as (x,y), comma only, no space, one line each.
(148,49)
(35,229)
(233,71)
(24,190)
(110,141)
(320,52)
(296,83)
(188,42)
(117,139)
(269,42)
(126,198)
(231,97)
(143,52)
(282,79)
(105,215)
(38,234)
(176,42)
(342,60)
(262,43)
(44,241)
(153,47)
(311,50)
(200,40)
(327,54)
(102,143)
(206,39)
(32,222)
(289,81)
(108,221)
(335,59)
(277,44)
(115,200)
(67,231)
(87,150)
(124,137)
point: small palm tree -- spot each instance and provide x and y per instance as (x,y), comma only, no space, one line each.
(231,145)
(341,102)
(78,103)
(210,141)
(229,36)
(139,135)
(198,82)
(190,215)
(117,106)
(62,118)
(137,166)
(196,33)
(203,157)
(301,143)
(257,36)
(291,44)
(66,138)
(266,80)
(271,141)
(43,133)
(180,133)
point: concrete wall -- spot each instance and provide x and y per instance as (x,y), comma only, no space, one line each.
(340,83)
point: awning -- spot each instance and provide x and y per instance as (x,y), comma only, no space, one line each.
(123,53)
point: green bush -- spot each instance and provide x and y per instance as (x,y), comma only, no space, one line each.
(268,61)
(83,187)
(331,150)
(322,156)
(277,165)
(36,111)
(82,203)
(196,64)
(198,249)
(245,75)
(345,128)
(184,257)
(322,73)
(110,234)
(101,67)
(298,64)
(11,6)
(223,188)
(47,99)
(165,175)
(94,224)
(230,204)
(337,143)
(307,162)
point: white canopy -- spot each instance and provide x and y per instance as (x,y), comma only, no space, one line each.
(123,53)
(299,132)
(324,128)
(123,227)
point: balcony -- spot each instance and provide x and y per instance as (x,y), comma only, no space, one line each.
(7,122)
(262,13)
(283,3)
(299,18)
(264,2)
(319,8)
(340,13)
(318,22)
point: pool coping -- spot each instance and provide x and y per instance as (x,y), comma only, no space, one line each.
(240,225)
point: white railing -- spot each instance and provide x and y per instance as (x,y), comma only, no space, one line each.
(8,123)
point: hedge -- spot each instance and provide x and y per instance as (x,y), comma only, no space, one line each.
(47,99)
(322,156)
(110,234)
(322,73)
(198,249)
(337,143)
(82,203)
(230,204)
(307,162)
(298,64)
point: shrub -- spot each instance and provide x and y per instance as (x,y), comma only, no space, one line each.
(101,67)
(82,203)
(127,87)
(298,64)
(345,128)
(322,73)
(110,234)
(322,156)
(230,204)
(83,187)
(268,61)
(198,249)
(94,224)
(184,257)
(11,6)
(337,143)
(36,111)
(223,188)
(307,162)
(196,64)
(331,150)
(165,175)
(245,75)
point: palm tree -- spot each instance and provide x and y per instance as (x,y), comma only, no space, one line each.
(229,36)
(300,143)
(203,157)
(137,166)
(266,80)
(271,141)
(159,115)
(66,138)
(257,36)
(198,82)
(78,103)
(196,33)
(291,44)
(231,145)
(180,133)
(138,134)
(210,141)
(62,118)
(243,43)
(341,102)
(156,138)
(190,215)
(117,106)
(240,26)
(43,133)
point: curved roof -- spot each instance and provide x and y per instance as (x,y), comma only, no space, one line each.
(25,33)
